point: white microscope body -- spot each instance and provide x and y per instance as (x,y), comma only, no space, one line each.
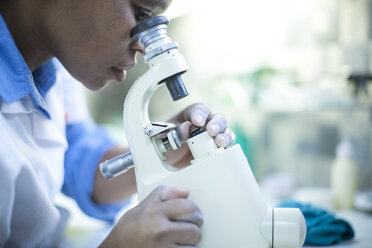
(220,180)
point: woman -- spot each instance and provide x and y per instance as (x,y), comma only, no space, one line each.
(48,141)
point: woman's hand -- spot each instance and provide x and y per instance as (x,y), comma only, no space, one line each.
(199,115)
(165,219)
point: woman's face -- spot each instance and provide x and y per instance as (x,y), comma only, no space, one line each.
(92,37)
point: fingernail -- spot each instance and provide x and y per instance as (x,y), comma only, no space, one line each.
(221,141)
(215,129)
(199,119)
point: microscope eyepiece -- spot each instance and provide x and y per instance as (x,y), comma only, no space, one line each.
(148,23)
(152,33)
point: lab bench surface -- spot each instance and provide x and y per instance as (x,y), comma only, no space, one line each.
(360,221)
(362,225)
(92,233)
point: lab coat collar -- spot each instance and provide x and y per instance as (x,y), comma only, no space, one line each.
(16,79)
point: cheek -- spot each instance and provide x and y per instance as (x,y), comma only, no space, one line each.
(91,74)
(108,47)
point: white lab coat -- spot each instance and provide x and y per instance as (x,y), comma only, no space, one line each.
(32,151)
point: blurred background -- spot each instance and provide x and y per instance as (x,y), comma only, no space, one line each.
(292,78)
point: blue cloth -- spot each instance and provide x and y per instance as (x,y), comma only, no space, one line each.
(87,145)
(87,141)
(323,228)
(16,78)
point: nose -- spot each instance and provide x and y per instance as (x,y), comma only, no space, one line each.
(137,46)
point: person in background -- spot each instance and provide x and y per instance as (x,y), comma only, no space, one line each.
(48,141)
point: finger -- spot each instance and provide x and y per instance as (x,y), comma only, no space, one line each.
(186,234)
(174,193)
(195,218)
(164,193)
(184,130)
(216,125)
(225,139)
(197,114)
(184,211)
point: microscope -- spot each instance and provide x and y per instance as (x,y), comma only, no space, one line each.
(220,180)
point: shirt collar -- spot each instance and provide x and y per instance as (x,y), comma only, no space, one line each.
(16,79)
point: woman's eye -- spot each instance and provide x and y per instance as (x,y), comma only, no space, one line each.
(142,14)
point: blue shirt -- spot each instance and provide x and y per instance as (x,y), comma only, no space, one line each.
(87,142)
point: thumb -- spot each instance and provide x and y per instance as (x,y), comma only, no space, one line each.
(183,130)
(173,193)
(164,193)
